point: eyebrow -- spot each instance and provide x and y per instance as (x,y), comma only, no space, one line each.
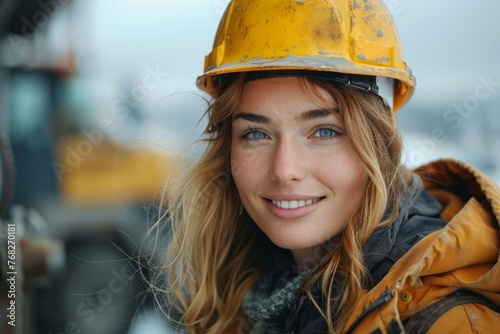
(317,113)
(251,117)
(305,116)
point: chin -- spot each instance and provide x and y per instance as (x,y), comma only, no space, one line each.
(292,244)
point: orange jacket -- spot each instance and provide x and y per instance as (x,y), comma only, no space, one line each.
(464,254)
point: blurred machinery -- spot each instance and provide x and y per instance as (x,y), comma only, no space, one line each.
(73,203)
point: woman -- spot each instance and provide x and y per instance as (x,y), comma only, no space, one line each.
(299,217)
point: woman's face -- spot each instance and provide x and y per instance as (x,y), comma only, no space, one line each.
(295,168)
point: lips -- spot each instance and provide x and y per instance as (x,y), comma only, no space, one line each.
(294,204)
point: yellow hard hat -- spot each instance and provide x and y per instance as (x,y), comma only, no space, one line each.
(353,37)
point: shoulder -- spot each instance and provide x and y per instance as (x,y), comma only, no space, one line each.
(467,318)
(460,257)
(471,207)
(462,311)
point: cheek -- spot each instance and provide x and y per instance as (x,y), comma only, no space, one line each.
(346,177)
(357,187)
(237,165)
(245,169)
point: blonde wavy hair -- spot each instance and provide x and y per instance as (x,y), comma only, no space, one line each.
(215,254)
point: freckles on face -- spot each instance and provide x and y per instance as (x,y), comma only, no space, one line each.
(295,168)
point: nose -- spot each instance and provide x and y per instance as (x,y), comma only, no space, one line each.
(288,163)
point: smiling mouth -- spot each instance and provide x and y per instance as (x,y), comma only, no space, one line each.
(295,204)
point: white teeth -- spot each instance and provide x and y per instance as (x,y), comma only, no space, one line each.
(294,204)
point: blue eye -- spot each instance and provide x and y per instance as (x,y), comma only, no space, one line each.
(325,133)
(254,134)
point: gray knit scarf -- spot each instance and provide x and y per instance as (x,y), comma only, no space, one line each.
(270,301)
